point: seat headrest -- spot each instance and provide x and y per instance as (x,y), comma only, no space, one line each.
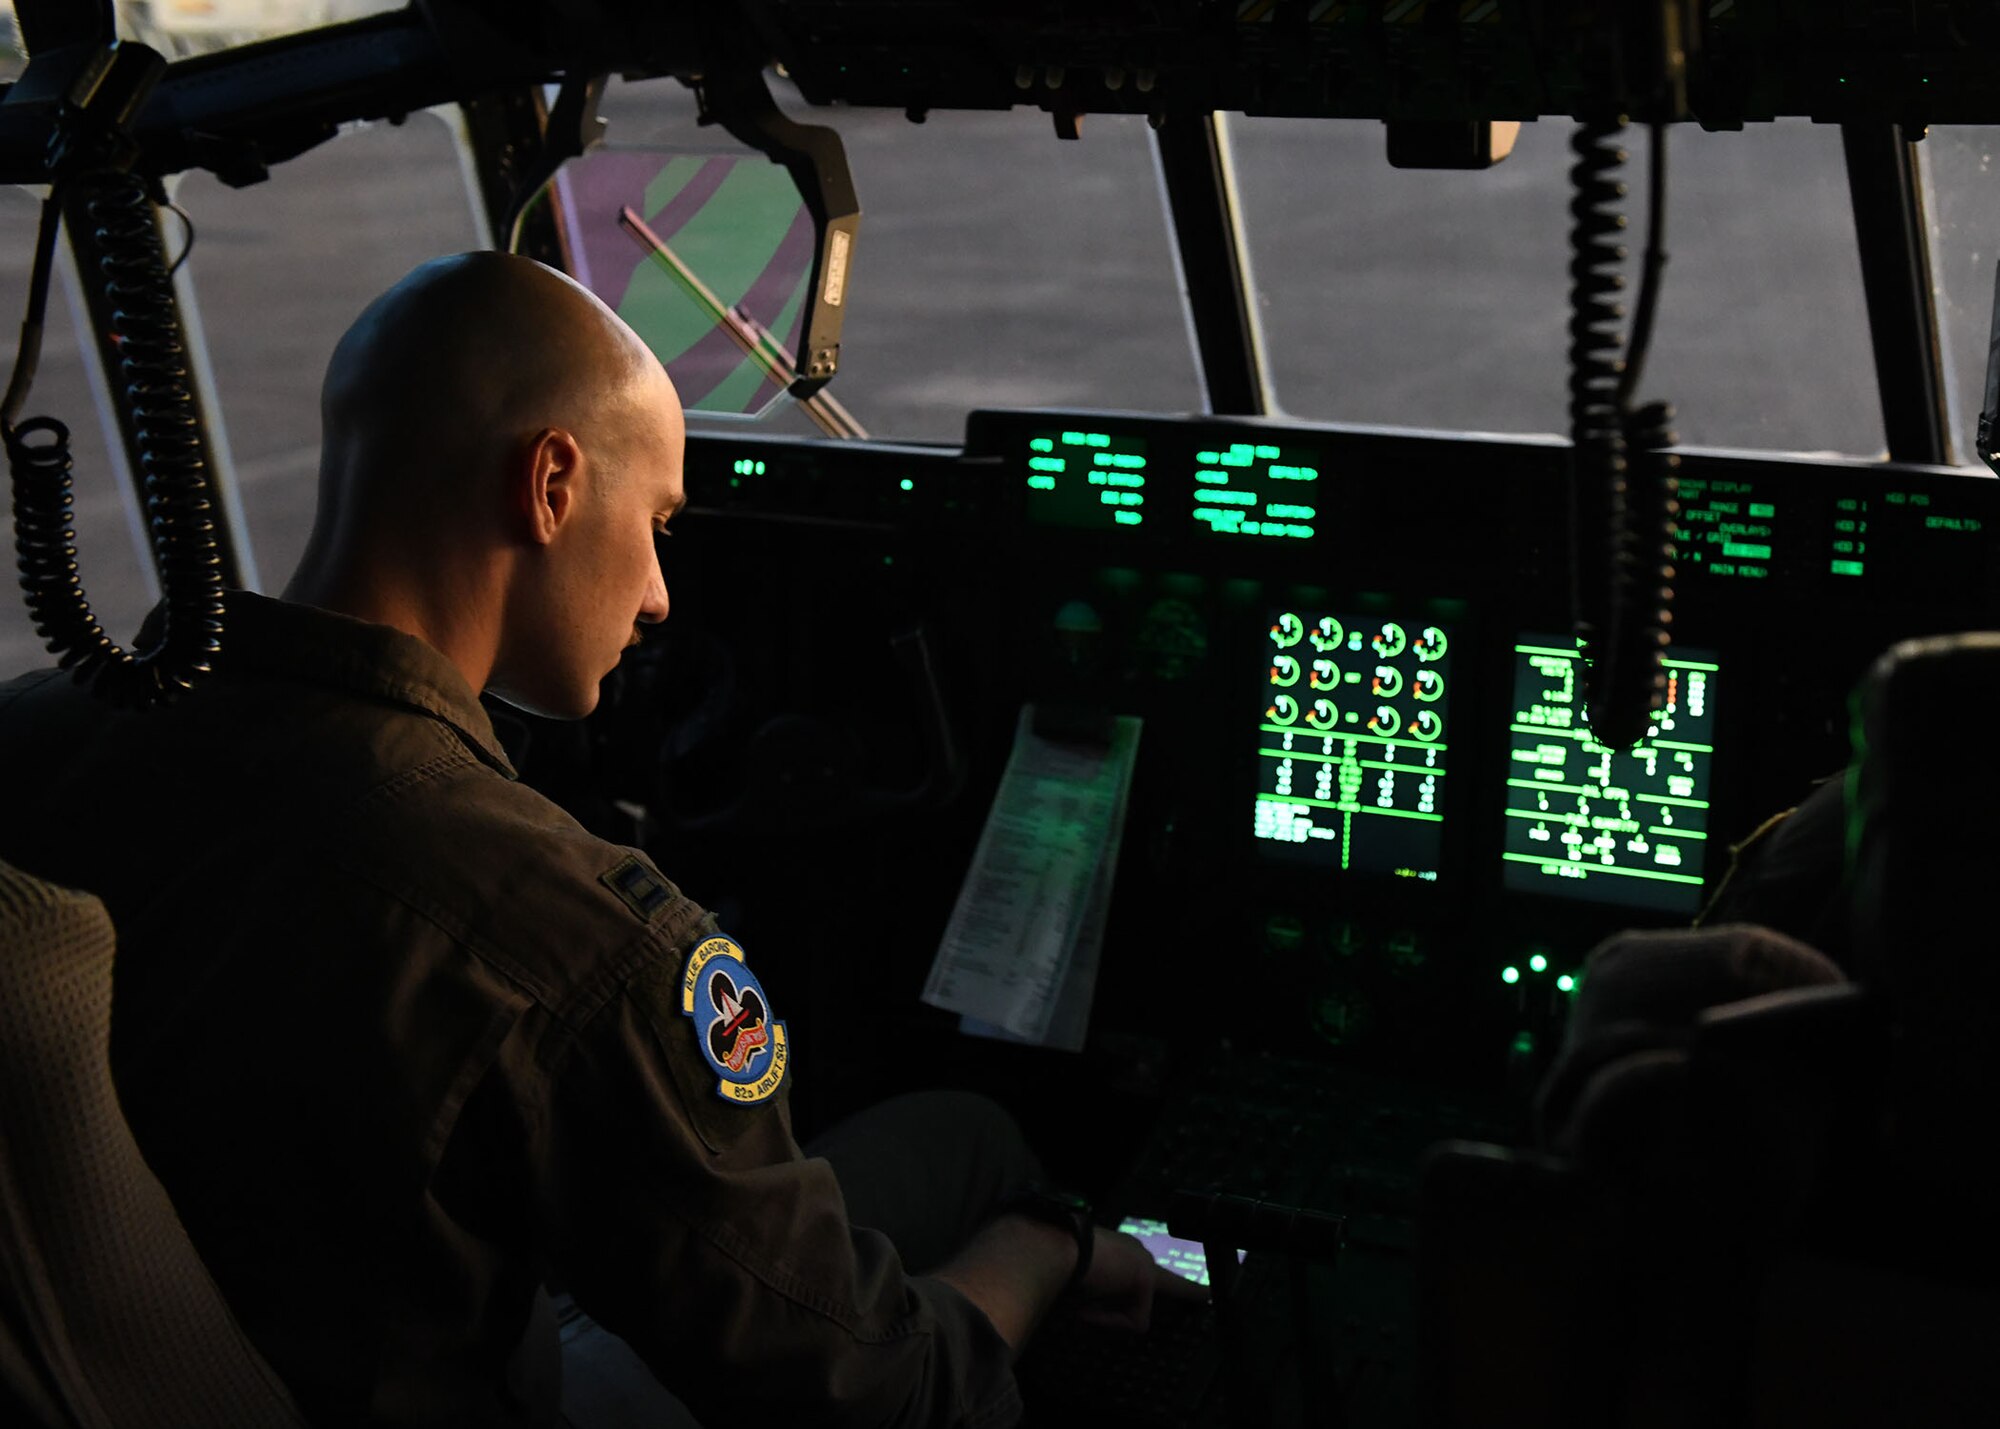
(1924,827)
(1646,991)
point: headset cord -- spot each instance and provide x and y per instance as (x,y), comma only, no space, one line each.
(1622,488)
(153,378)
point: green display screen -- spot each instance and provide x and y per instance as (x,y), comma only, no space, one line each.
(1725,530)
(1086,480)
(1257,491)
(1352,742)
(1584,821)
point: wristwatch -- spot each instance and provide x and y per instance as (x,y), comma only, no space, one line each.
(1058,1208)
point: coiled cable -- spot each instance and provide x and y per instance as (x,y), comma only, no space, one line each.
(154,382)
(1621,581)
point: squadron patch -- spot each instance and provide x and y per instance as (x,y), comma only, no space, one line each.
(739,1038)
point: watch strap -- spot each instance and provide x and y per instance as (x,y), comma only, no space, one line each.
(1064,1209)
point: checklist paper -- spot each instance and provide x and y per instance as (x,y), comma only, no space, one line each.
(1019,957)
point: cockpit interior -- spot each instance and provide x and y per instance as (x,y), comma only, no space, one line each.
(1230,544)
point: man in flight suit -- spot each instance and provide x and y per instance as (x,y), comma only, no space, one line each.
(401,1039)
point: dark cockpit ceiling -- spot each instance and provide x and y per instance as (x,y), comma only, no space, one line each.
(1910,64)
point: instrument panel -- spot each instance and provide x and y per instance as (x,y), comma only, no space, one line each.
(1363,742)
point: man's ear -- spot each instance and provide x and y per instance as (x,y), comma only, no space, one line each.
(546,482)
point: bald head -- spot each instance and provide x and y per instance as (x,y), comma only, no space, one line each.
(481,423)
(463,357)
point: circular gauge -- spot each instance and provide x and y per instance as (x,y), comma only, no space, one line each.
(1427,686)
(1388,681)
(1325,675)
(1390,641)
(1284,670)
(1327,635)
(1427,725)
(1289,631)
(1322,715)
(1431,645)
(1283,710)
(1383,721)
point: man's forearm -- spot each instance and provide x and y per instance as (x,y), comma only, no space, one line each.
(1013,1270)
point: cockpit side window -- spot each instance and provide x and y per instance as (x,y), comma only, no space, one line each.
(179,31)
(278,272)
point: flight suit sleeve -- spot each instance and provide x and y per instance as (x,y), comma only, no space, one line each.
(688,1222)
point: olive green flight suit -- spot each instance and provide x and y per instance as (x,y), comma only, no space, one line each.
(405,1042)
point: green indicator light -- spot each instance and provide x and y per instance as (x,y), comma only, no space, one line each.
(735,481)
(1510,976)
(1538,963)
(1565,983)
(1212,478)
(1747,552)
(1762,508)
(907,484)
(1847,568)
(1127,518)
(1042,483)
(1267,453)
(1303,513)
(1041,444)
(1046,463)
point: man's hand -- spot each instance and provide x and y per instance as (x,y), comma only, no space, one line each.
(1016,1267)
(1123,1280)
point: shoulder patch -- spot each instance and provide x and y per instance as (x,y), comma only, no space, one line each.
(740,1038)
(638,887)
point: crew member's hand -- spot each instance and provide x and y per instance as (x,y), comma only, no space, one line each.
(1122,1283)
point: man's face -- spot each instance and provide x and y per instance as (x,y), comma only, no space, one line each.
(603,578)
